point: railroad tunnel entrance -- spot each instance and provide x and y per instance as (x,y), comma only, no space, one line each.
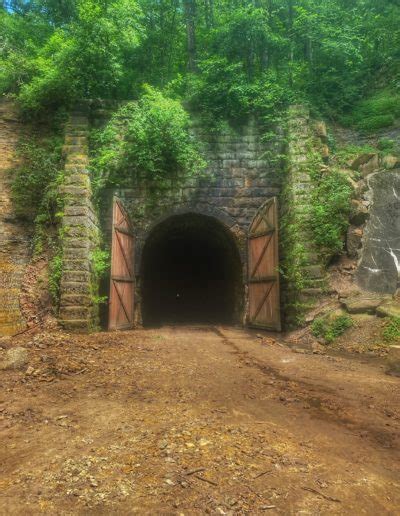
(191,272)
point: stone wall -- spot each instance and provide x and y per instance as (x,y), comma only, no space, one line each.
(15,247)
(243,171)
(240,176)
(80,233)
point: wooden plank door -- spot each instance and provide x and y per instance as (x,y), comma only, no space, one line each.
(122,282)
(263,273)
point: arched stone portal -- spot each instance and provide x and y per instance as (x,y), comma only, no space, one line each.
(191,271)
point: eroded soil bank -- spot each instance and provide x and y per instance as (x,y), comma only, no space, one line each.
(195,420)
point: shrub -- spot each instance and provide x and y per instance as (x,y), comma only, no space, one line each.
(376,112)
(331,328)
(373,123)
(329,211)
(149,139)
(391,332)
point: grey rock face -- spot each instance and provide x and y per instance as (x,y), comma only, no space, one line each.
(379,267)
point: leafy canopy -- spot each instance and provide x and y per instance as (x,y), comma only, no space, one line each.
(224,58)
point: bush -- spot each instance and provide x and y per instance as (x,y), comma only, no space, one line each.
(329,211)
(148,139)
(391,332)
(376,112)
(373,123)
(331,328)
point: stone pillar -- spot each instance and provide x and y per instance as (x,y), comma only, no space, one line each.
(80,234)
(304,137)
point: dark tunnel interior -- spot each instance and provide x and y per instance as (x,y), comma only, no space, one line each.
(190,273)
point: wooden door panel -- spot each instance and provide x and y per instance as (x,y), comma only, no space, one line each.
(263,273)
(122,282)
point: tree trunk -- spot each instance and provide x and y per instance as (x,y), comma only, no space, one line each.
(190,15)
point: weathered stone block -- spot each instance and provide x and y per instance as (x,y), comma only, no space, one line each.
(76,254)
(74,312)
(76,276)
(76,300)
(74,288)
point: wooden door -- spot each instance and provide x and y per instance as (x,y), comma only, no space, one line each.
(122,282)
(263,273)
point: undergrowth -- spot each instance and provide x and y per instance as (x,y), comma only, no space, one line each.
(147,140)
(391,332)
(331,328)
(376,112)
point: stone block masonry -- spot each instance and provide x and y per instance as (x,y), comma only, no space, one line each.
(80,235)
(304,136)
(15,236)
(239,177)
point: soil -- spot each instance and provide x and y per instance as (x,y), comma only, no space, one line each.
(196,420)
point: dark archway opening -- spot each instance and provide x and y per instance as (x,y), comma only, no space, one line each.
(191,272)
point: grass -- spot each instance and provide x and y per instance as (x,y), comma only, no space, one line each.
(331,329)
(391,332)
(376,112)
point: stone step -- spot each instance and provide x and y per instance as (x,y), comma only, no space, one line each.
(78,159)
(75,140)
(314,272)
(74,149)
(74,313)
(75,324)
(76,132)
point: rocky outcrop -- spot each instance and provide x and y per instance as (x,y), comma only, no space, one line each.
(15,248)
(379,265)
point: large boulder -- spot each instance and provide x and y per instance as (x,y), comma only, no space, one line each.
(362,304)
(15,358)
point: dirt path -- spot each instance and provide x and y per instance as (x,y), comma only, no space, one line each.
(196,421)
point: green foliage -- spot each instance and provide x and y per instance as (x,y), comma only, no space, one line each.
(391,332)
(378,111)
(100,260)
(35,187)
(329,211)
(147,139)
(330,328)
(245,56)
(86,58)
(386,145)
(344,155)
(33,179)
